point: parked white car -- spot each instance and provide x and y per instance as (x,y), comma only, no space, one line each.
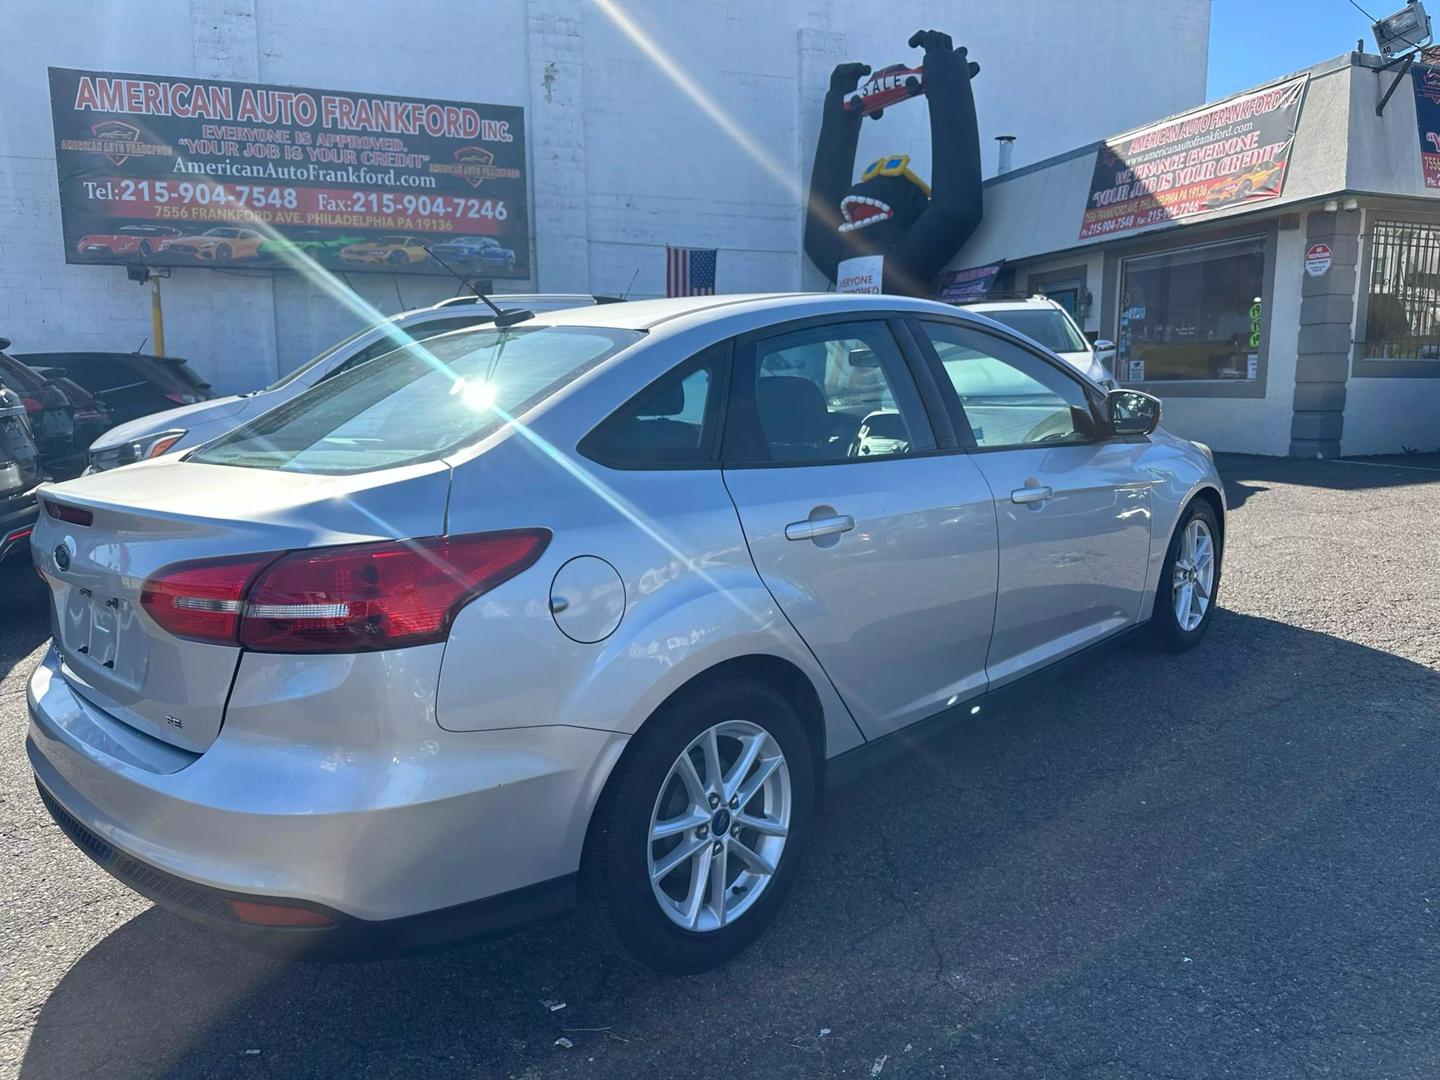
(190,425)
(1046,323)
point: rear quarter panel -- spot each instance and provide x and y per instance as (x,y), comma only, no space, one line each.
(692,598)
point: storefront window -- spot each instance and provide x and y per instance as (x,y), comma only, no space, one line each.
(1403,320)
(1191,314)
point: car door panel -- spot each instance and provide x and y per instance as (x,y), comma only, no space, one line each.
(1072,563)
(1072,505)
(879,550)
(897,608)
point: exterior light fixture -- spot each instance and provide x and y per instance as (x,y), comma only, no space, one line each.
(1408,28)
(1351,204)
(1331,206)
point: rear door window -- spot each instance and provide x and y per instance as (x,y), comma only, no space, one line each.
(672,424)
(829,393)
(419,402)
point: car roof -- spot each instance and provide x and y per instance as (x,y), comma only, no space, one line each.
(691,310)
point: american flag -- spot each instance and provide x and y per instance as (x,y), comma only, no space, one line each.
(689,271)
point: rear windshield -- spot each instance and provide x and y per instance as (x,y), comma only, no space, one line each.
(1048,326)
(418,402)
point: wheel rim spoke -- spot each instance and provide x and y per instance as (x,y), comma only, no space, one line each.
(761,825)
(743,764)
(719,872)
(699,880)
(710,746)
(683,852)
(692,819)
(763,772)
(757,863)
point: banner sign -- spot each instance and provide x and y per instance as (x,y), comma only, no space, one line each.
(1221,157)
(202,172)
(968,286)
(1426,80)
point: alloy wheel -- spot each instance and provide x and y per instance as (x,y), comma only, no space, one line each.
(1193,583)
(719,826)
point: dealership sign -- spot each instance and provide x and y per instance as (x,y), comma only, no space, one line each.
(1426,80)
(201,172)
(1222,157)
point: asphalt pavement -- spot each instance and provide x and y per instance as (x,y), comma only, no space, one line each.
(1221,864)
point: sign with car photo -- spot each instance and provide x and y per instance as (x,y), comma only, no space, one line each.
(1222,157)
(173,171)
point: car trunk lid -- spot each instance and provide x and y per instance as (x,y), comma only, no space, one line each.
(115,530)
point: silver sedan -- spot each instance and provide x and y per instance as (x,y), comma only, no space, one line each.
(585,608)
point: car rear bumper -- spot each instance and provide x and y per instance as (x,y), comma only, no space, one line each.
(460,834)
(342,937)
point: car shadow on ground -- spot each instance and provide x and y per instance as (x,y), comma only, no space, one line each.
(1163,864)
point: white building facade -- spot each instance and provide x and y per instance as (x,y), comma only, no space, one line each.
(648,123)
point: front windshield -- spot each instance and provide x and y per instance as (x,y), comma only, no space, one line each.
(419,402)
(1049,326)
(343,343)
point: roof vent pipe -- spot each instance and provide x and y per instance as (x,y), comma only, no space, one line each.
(1007,150)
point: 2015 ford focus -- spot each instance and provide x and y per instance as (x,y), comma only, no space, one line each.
(581,608)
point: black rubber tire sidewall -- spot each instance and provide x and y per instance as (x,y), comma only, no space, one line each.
(1164,626)
(614,879)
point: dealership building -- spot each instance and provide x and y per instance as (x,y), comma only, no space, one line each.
(645,124)
(1295,315)
(1304,323)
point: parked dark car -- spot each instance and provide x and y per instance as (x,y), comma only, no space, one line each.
(50,414)
(130,384)
(19,474)
(92,416)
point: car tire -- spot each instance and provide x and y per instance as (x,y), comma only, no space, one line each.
(648,787)
(397,258)
(145,249)
(222,253)
(1166,628)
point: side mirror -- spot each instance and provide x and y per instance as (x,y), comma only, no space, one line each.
(1132,413)
(1104,345)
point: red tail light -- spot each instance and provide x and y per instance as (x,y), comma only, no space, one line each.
(379,596)
(73,514)
(182,399)
(355,598)
(202,600)
(31,405)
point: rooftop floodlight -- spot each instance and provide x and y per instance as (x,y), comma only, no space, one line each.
(1408,28)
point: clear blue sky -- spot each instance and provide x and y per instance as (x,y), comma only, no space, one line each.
(1252,41)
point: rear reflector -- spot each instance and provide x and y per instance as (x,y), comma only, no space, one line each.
(379,596)
(354,598)
(259,914)
(73,514)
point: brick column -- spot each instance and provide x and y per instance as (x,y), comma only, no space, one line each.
(1327,326)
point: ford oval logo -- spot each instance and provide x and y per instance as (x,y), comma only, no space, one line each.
(62,557)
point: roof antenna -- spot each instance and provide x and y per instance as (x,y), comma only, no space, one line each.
(502,318)
(626,294)
(143,342)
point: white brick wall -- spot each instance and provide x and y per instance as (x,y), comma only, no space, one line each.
(622,162)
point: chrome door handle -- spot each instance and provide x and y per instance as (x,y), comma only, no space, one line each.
(1030,494)
(814,528)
